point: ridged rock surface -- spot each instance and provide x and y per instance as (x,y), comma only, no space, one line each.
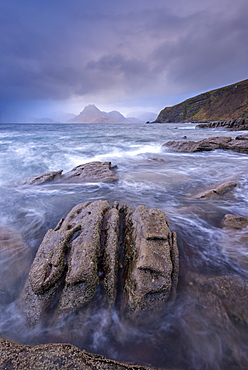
(96,246)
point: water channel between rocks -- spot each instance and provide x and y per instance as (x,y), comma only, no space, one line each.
(148,175)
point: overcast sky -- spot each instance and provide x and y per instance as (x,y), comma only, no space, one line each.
(125,55)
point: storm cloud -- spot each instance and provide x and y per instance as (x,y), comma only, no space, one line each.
(123,54)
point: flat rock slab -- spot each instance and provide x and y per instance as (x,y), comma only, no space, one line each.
(92,247)
(56,356)
(216,192)
(239,144)
(88,172)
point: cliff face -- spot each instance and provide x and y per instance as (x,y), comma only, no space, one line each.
(226,103)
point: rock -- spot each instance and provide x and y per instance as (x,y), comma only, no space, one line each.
(234,222)
(43,178)
(93,171)
(224,143)
(235,124)
(234,241)
(82,253)
(89,172)
(15,356)
(215,319)
(151,259)
(217,192)
(15,261)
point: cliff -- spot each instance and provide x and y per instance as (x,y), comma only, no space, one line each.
(229,102)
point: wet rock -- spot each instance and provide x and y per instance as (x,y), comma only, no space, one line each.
(215,319)
(56,356)
(217,192)
(235,124)
(151,259)
(15,261)
(43,178)
(93,172)
(234,241)
(234,222)
(84,253)
(224,143)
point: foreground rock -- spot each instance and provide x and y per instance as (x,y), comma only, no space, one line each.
(239,144)
(55,356)
(218,306)
(231,124)
(94,246)
(15,261)
(89,172)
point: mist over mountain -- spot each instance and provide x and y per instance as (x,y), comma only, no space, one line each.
(91,114)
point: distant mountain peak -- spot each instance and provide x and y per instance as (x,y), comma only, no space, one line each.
(91,114)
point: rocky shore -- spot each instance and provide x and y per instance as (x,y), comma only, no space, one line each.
(235,124)
(126,260)
(239,144)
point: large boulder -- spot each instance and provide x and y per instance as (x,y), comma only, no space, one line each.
(15,261)
(14,356)
(239,145)
(94,246)
(88,172)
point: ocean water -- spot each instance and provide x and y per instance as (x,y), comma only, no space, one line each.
(149,174)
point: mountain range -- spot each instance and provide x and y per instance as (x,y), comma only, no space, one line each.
(225,103)
(91,114)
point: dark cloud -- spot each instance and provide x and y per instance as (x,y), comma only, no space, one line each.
(115,51)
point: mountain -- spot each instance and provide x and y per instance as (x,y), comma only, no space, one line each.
(225,103)
(91,114)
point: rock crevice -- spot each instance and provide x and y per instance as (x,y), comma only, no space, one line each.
(127,253)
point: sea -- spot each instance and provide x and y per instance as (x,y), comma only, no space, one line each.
(149,174)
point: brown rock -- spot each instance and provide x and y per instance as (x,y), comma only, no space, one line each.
(43,178)
(234,222)
(224,143)
(15,261)
(82,253)
(56,356)
(217,192)
(93,172)
(151,260)
(234,241)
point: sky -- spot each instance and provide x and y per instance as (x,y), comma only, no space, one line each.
(132,55)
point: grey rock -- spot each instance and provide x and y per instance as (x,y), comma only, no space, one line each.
(224,143)
(217,192)
(15,356)
(88,172)
(235,124)
(83,253)
(151,259)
